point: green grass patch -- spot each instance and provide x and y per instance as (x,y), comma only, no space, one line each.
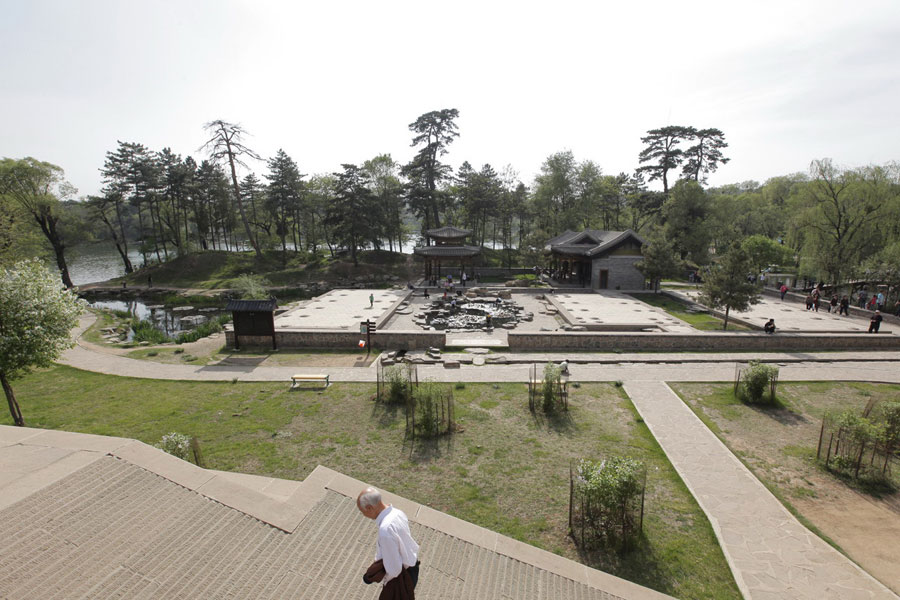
(507,470)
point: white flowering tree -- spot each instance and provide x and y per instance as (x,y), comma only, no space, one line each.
(36,317)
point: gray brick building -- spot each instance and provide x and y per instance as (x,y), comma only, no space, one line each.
(597,259)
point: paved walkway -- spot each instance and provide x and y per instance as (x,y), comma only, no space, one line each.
(772,556)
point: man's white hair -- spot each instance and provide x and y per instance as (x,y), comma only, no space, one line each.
(370,497)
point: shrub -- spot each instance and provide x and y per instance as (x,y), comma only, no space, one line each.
(607,500)
(146,331)
(432,406)
(852,436)
(758,383)
(251,287)
(214,325)
(551,392)
(398,388)
(176,444)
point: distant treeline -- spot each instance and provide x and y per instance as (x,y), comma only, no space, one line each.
(833,223)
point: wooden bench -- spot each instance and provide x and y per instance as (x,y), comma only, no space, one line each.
(296,380)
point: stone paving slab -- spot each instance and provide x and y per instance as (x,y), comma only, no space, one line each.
(770,553)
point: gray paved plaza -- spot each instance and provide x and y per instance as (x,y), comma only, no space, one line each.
(338,309)
(615,309)
(794,318)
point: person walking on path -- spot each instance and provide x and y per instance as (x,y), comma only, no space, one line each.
(845,306)
(897,308)
(862,297)
(395,548)
(832,306)
(371,300)
(880,301)
(873,301)
(809,301)
(783,289)
(464,278)
(875,322)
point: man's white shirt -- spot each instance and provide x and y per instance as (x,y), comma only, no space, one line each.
(395,544)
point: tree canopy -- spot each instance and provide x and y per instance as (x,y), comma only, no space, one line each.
(35,322)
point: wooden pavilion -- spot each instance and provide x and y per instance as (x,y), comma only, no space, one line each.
(254,318)
(446,248)
(597,259)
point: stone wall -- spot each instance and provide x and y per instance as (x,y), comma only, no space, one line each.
(751,341)
(622,273)
(348,340)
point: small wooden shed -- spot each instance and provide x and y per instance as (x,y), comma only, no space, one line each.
(253,318)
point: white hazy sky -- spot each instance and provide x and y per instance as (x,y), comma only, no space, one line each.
(339,82)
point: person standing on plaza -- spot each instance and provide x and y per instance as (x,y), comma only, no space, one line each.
(371,300)
(880,300)
(464,278)
(845,306)
(875,322)
(395,548)
(783,289)
(861,297)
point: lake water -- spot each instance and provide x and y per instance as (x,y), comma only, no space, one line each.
(170,321)
(92,263)
(97,262)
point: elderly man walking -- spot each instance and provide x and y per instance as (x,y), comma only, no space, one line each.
(396,564)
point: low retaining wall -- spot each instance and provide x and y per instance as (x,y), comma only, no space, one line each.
(750,341)
(348,340)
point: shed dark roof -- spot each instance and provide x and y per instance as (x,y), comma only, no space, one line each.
(252,305)
(590,242)
(448,232)
(447,251)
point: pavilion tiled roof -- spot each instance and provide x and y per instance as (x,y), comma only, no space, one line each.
(447,251)
(589,242)
(252,305)
(448,232)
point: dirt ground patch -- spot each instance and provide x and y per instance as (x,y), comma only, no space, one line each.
(779,446)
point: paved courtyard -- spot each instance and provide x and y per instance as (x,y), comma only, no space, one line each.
(792,317)
(614,310)
(338,309)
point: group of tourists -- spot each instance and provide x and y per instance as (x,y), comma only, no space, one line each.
(841,305)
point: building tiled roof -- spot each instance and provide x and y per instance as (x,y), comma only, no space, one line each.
(589,242)
(447,251)
(448,231)
(85,516)
(252,305)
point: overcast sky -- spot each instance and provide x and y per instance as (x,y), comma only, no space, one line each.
(339,82)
